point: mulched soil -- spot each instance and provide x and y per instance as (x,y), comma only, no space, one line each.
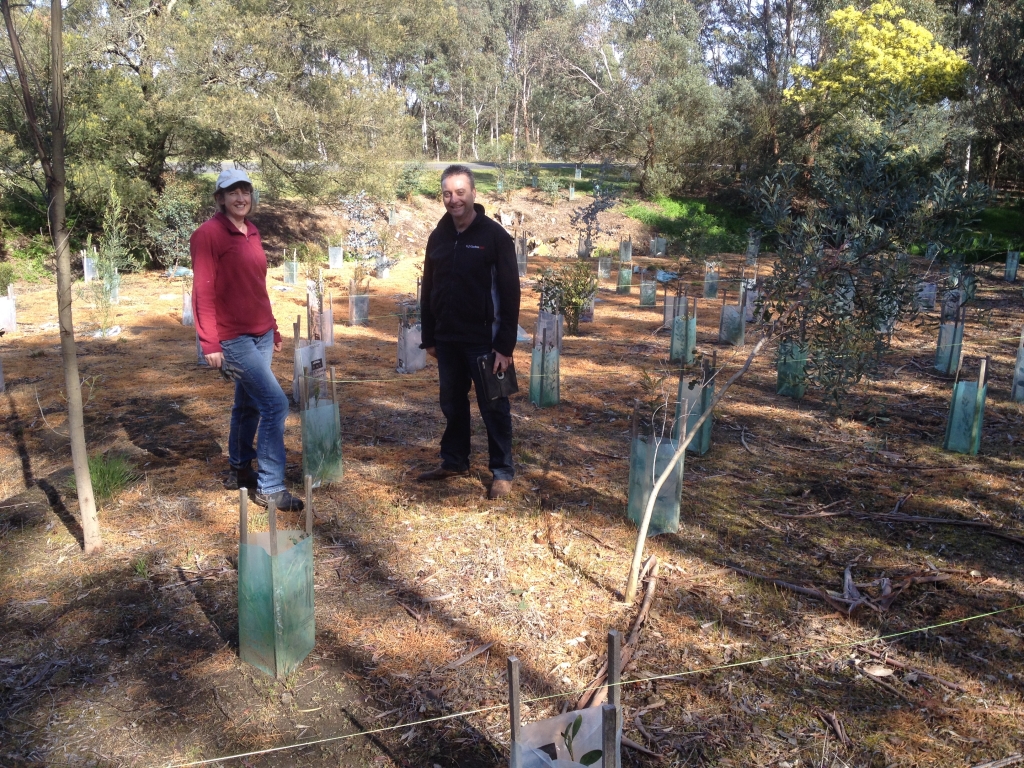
(130,657)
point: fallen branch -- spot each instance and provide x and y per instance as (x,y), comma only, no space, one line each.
(797,448)
(597,692)
(743,439)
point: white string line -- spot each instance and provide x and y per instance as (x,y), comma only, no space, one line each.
(685,673)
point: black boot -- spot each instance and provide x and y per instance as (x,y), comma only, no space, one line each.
(240,477)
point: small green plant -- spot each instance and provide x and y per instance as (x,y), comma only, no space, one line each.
(312,257)
(566,291)
(110,474)
(549,187)
(141,566)
(6,276)
(569,734)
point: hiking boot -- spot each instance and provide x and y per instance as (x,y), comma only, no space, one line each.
(240,477)
(283,501)
(440,473)
(499,488)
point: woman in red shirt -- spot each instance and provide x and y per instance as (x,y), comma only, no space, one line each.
(238,334)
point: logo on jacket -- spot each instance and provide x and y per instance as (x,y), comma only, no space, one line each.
(474,247)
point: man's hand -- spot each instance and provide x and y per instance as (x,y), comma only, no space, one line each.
(501,363)
(215,359)
(277,346)
(432,351)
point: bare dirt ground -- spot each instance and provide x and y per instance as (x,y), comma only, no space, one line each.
(130,657)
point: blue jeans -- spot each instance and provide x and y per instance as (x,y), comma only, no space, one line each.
(260,409)
(456,369)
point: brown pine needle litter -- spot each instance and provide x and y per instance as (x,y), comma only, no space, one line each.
(422,591)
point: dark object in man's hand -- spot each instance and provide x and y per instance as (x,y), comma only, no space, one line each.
(501,384)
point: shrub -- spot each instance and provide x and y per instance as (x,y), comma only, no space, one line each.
(409,180)
(173,221)
(6,276)
(566,291)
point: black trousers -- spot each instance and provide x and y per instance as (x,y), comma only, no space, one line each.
(457,368)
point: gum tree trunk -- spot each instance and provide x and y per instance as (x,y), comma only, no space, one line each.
(52,163)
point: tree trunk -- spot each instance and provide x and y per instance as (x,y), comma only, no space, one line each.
(59,234)
(52,163)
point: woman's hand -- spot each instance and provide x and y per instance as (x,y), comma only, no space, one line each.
(215,359)
(277,346)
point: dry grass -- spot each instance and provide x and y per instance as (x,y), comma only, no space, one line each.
(102,664)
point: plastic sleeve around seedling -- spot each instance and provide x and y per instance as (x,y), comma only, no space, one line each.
(604,267)
(410,357)
(358,309)
(711,285)
(291,272)
(321,443)
(625,281)
(966,416)
(1012,263)
(276,624)
(791,380)
(732,325)
(1017,388)
(694,402)
(648,294)
(648,458)
(544,367)
(683,340)
(949,347)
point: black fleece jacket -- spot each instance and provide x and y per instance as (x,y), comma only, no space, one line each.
(463,274)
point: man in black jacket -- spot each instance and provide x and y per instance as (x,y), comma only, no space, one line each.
(470,308)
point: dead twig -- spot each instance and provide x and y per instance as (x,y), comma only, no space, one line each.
(833,722)
(1013,759)
(593,537)
(641,748)
(471,655)
(797,448)
(743,439)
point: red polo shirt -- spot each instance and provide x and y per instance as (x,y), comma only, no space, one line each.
(229,288)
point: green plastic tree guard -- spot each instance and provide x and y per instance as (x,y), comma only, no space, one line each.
(1017,388)
(711,279)
(604,267)
(693,402)
(544,360)
(1012,262)
(648,458)
(753,246)
(648,293)
(625,284)
(951,337)
(792,370)
(291,272)
(732,323)
(276,624)
(321,431)
(683,341)
(626,249)
(967,413)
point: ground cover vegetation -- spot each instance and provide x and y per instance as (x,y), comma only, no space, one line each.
(870,149)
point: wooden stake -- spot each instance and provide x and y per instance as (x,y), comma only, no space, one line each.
(243,515)
(309,505)
(615,669)
(610,737)
(513,707)
(272,517)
